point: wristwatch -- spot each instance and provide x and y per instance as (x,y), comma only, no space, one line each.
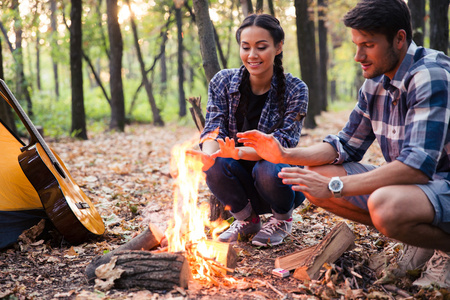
(335,186)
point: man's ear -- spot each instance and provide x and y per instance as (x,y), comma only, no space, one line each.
(400,39)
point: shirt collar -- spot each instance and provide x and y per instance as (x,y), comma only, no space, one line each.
(407,62)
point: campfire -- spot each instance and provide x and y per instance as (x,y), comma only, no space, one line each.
(187,231)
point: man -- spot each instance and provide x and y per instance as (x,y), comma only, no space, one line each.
(404,103)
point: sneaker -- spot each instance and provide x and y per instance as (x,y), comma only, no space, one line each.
(437,271)
(239,229)
(273,232)
(412,258)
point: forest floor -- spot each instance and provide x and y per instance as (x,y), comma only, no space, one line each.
(127,177)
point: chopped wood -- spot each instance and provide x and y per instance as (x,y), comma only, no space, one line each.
(308,261)
(147,240)
(225,256)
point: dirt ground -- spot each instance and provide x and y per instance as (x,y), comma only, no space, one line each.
(127,177)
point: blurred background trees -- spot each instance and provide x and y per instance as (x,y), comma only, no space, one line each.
(82,66)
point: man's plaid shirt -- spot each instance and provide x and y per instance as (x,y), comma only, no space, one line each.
(408,115)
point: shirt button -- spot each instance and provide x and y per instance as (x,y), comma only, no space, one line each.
(393,131)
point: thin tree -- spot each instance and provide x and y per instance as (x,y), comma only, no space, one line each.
(76,69)
(417,8)
(323,53)
(6,114)
(53,39)
(206,36)
(307,56)
(181,96)
(439,25)
(157,120)
(115,67)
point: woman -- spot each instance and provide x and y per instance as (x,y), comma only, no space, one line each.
(260,96)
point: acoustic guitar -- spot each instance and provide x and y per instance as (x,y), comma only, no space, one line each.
(66,205)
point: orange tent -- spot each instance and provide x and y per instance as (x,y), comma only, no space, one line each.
(16,192)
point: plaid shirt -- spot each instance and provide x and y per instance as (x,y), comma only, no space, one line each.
(409,116)
(223,101)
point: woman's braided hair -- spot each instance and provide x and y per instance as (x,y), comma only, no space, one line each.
(272,25)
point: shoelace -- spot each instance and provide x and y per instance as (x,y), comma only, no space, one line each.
(237,225)
(271,226)
(438,263)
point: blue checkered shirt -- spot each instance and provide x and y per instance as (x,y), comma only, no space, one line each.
(408,115)
(223,101)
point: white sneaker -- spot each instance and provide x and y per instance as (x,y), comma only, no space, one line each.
(437,271)
(412,258)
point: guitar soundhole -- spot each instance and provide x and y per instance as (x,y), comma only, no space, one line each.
(60,171)
(82,205)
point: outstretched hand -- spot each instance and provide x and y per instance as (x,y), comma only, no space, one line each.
(267,147)
(312,184)
(227,149)
(207,160)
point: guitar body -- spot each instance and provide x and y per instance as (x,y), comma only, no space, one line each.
(69,209)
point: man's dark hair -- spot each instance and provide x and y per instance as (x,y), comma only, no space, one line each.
(381,16)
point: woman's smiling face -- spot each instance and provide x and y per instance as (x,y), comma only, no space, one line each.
(258,51)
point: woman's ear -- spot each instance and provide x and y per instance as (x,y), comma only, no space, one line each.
(279,47)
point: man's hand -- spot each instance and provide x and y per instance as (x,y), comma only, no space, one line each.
(227,149)
(265,145)
(308,182)
(207,160)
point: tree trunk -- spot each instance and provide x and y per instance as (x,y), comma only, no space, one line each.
(323,54)
(38,61)
(76,69)
(439,25)
(6,113)
(259,6)
(115,67)
(271,9)
(307,56)
(181,96)
(417,8)
(53,38)
(157,120)
(206,35)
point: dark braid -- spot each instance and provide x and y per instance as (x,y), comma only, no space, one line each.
(271,24)
(281,88)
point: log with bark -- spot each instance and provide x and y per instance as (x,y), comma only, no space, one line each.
(147,240)
(144,269)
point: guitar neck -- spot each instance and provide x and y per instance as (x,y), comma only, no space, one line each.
(35,136)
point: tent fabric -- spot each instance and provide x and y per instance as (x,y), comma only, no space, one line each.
(16,192)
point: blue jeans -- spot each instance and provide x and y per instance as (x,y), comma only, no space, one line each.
(244,186)
(13,223)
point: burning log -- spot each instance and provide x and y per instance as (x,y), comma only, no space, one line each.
(152,271)
(308,261)
(147,240)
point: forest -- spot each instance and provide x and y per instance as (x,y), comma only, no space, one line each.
(87,66)
(107,82)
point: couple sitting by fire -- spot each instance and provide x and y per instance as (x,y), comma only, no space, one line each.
(253,124)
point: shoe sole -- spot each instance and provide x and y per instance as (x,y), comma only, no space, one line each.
(256,243)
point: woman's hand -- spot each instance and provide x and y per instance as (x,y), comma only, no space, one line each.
(265,145)
(227,149)
(207,160)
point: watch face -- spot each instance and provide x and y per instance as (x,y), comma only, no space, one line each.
(335,185)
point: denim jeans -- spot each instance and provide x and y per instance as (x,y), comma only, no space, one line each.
(244,186)
(13,223)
